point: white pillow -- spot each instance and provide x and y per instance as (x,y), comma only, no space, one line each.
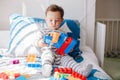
(82,33)
(23,33)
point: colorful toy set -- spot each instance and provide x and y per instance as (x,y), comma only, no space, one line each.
(32,61)
(12,75)
(61,41)
(66,74)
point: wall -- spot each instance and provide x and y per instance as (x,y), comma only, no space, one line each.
(108,9)
(36,8)
(8,7)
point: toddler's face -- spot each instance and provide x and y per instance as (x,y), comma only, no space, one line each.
(53,19)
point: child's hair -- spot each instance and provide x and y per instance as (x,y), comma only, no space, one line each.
(55,8)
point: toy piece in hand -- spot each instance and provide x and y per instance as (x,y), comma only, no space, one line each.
(63,43)
(55,36)
(59,41)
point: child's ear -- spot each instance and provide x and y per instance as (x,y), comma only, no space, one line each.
(62,19)
(45,18)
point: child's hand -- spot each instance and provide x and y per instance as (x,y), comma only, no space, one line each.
(41,43)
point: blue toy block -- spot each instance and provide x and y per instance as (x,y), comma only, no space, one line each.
(47,39)
(70,46)
(34,65)
(52,78)
(61,40)
(21,78)
(63,79)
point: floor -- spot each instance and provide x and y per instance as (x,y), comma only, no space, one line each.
(112,67)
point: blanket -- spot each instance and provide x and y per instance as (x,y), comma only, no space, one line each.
(12,67)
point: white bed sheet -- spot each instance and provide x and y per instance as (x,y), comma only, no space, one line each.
(88,55)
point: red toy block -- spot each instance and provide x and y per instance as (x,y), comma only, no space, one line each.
(17,75)
(63,70)
(4,76)
(61,50)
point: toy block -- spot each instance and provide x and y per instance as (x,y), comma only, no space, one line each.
(57,75)
(17,75)
(55,36)
(21,78)
(63,70)
(72,78)
(31,58)
(61,40)
(63,79)
(15,61)
(67,46)
(26,75)
(56,43)
(52,78)
(34,65)
(68,73)
(71,46)
(64,46)
(4,76)
(64,75)
(47,39)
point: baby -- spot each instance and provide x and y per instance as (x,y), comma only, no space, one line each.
(54,17)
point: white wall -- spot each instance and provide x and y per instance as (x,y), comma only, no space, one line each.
(83,10)
(8,7)
(35,8)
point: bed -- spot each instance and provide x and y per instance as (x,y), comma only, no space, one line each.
(15,41)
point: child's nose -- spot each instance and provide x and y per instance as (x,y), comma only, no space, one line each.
(54,22)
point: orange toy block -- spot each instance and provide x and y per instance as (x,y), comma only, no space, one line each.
(31,58)
(55,36)
(72,78)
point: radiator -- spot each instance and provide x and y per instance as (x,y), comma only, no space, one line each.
(112,39)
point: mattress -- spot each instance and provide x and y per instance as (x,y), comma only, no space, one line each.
(35,73)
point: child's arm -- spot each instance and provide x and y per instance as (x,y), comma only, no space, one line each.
(40,43)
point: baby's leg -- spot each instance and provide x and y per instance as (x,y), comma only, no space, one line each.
(47,58)
(82,68)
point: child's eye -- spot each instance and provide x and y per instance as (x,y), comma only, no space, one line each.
(50,20)
(57,20)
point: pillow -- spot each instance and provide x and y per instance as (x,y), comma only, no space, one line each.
(23,33)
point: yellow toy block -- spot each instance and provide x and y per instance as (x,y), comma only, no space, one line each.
(26,75)
(31,58)
(57,75)
(72,78)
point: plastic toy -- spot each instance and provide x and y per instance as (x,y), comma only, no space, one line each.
(15,61)
(67,46)
(55,36)
(21,78)
(61,41)
(67,73)
(31,58)
(34,65)
(4,76)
